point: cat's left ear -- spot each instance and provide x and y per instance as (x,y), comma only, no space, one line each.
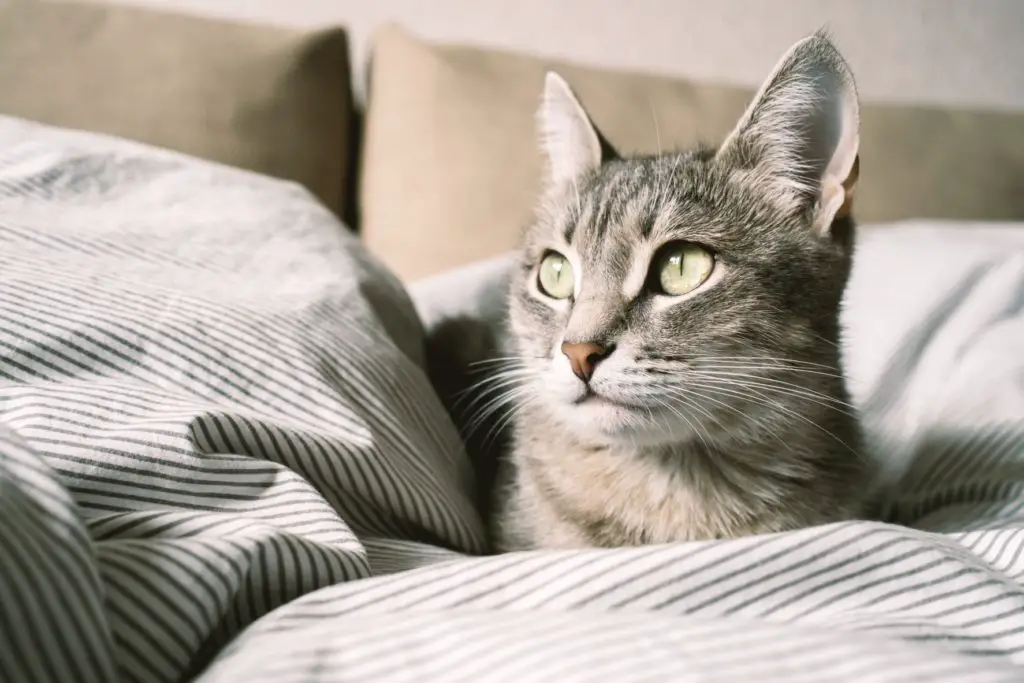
(568,139)
(799,138)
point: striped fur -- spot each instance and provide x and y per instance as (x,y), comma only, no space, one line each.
(718,412)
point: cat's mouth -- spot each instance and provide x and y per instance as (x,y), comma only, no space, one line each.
(604,416)
(591,397)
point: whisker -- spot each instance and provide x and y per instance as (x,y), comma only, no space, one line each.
(766,368)
(705,397)
(751,395)
(494,384)
(813,334)
(497,374)
(684,395)
(683,417)
(488,410)
(793,390)
(657,129)
(504,359)
(486,386)
(768,361)
(687,400)
(773,382)
(498,427)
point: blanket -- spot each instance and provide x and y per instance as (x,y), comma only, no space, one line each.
(221,460)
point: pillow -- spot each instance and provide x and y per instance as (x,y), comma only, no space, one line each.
(275,101)
(450,164)
(212,401)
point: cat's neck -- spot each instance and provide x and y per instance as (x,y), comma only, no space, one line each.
(570,492)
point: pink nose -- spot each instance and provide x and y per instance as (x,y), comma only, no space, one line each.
(584,357)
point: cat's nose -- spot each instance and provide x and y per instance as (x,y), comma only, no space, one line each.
(584,357)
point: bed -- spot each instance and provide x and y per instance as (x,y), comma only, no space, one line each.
(221,460)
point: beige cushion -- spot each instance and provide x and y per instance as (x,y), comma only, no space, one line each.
(270,100)
(451,168)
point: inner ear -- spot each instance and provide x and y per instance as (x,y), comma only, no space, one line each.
(798,140)
(569,140)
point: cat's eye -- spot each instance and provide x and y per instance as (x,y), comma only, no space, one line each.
(555,277)
(680,267)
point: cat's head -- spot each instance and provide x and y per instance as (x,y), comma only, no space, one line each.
(662,290)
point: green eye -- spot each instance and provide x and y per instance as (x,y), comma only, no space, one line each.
(681,268)
(555,277)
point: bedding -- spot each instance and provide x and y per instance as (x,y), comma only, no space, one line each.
(221,460)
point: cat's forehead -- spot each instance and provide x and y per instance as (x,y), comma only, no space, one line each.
(630,202)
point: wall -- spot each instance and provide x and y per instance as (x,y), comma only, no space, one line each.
(932,51)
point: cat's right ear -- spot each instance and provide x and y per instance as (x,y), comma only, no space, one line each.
(568,139)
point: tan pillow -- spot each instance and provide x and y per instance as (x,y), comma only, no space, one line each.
(451,167)
(275,101)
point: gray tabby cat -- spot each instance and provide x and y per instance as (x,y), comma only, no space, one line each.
(675,324)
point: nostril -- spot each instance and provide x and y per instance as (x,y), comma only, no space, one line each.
(604,350)
(599,353)
(583,357)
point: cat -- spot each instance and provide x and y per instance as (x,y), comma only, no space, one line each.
(674,327)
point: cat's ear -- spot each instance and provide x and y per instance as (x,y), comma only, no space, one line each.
(568,139)
(799,138)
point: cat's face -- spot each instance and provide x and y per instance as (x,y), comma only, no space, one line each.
(661,298)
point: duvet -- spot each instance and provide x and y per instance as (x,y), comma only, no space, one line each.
(221,460)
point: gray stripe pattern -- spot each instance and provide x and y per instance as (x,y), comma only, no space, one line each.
(221,460)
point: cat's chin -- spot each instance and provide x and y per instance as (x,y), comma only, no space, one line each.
(597,418)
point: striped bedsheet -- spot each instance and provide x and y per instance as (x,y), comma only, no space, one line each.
(221,460)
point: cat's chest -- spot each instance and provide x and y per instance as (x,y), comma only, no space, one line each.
(612,497)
